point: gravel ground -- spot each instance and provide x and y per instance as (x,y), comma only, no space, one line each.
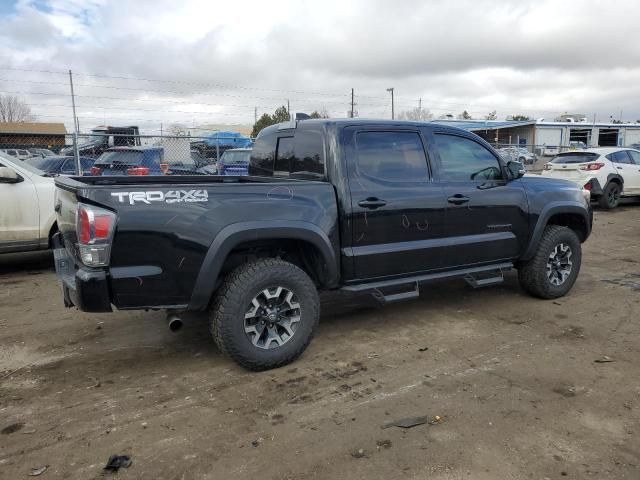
(509,384)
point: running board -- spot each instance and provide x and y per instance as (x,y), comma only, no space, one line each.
(415,280)
(396,297)
(479,281)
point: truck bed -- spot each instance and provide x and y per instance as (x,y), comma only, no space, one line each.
(166,227)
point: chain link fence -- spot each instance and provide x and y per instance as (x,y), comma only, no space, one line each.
(122,154)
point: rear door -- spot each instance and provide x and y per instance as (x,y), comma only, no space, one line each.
(486,220)
(627,166)
(397,210)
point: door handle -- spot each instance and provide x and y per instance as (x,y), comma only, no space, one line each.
(458,199)
(372,203)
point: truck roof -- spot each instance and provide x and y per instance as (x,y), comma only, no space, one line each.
(319,122)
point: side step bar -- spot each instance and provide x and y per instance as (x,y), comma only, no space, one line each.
(493,274)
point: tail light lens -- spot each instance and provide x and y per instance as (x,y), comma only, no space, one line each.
(587,186)
(94,228)
(592,166)
(547,166)
(138,171)
(96,171)
(164,168)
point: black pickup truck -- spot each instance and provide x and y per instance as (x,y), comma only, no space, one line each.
(362,206)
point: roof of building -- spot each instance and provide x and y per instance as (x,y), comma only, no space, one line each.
(476,125)
(35,128)
(586,124)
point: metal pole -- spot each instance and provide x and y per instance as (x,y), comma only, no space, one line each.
(76,152)
(392,106)
(288,111)
(352,103)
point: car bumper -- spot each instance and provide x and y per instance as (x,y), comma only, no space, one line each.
(82,287)
(594,187)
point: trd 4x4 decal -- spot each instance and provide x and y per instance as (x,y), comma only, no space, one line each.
(172,196)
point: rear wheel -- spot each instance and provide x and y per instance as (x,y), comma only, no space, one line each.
(610,196)
(265,314)
(554,269)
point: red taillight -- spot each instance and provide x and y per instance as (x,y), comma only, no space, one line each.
(587,186)
(138,171)
(547,166)
(94,229)
(84,226)
(592,166)
(95,171)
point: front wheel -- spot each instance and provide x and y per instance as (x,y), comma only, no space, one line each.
(265,314)
(554,269)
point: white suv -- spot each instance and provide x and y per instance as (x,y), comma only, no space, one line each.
(608,173)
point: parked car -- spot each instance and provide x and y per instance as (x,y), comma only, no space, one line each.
(608,173)
(203,165)
(139,161)
(18,153)
(234,162)
(577,145)
(518,154)
(41,152)
(57,165)
(372,214)
(27,219)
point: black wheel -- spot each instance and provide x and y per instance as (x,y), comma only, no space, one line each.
(553,270)
(265,314)
(611,196)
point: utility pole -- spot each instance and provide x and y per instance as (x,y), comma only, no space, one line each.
(392,106)
(352,104)
(255,114)
(288,111)
(420,104)
(76,153)
(160,128)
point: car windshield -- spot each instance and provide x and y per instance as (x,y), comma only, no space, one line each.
(575,157)
(120,157)
(235,157)
(11,161)
(47,164)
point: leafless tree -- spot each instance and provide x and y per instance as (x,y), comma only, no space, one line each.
(14,110)
(416,114)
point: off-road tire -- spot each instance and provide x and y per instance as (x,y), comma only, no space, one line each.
(234,298)
(609,199)
(533,275)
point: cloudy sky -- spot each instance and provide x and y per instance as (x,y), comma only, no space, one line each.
(193,62)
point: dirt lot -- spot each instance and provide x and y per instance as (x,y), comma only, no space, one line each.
(512,379)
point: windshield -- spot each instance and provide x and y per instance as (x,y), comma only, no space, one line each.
(122,157)
(10,161)
(235,157)
(575,157)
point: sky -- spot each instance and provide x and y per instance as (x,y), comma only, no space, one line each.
(200,62)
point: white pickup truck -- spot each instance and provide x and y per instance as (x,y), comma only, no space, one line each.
(27,219)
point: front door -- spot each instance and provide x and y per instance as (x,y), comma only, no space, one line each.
(397,209)
(19,214)
(628,165)
(487,216)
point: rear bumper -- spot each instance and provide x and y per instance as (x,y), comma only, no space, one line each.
(82,287)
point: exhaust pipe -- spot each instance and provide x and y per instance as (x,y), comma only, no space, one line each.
(175,322)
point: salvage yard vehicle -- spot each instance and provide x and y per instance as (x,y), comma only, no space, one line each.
(363,206)
(608,173)
(140,161)
(27,219)
(57,165)
(234,162)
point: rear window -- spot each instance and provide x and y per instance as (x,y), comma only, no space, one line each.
(235,158)
(126,157)
(575,157)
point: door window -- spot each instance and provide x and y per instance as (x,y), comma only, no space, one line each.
(619,157)
(635,156)
(284,155)
(463,160)
(391,156)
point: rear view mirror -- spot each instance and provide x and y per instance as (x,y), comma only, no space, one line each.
(516,169)
(8,175)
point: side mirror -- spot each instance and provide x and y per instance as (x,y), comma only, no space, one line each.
(9,175)
(515,169)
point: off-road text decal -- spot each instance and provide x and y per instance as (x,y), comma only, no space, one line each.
(172,196)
